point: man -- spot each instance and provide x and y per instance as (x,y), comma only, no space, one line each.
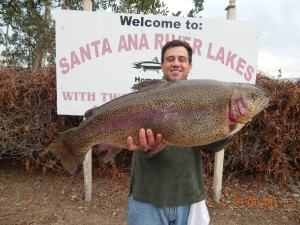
(167,187)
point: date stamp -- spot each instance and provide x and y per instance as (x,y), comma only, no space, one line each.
(256,201)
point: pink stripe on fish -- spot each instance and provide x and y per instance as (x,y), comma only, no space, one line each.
(157,115)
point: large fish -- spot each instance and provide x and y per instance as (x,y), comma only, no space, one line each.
(186,113)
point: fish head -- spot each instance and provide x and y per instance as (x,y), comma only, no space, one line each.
(247,100)
(136,65)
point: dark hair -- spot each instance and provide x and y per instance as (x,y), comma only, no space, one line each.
(176,43)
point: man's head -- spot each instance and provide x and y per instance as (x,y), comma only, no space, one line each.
(176,60)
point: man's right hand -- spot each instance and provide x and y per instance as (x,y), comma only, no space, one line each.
(147,141)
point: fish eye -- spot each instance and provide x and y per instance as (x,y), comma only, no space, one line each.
(255,95)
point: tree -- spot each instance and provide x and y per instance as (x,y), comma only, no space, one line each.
(155,7)
(28,33)
(198,8)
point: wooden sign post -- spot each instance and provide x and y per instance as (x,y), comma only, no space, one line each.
(87,163)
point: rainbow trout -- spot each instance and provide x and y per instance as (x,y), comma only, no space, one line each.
(186,113)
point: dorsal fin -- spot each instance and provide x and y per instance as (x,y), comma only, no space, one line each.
(148,84)
(155,60)
(90,112)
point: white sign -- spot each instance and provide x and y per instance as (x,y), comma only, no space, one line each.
(101,55)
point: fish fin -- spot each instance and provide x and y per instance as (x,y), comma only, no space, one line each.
(112,151)
(90,112)
(157,148)
(155,60)
(63,149)
(236,127)
(148,84)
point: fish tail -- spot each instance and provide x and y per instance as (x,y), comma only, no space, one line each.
(66,149)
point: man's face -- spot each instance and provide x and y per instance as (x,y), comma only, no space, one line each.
(176,64)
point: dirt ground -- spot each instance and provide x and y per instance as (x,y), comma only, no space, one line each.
(34,198)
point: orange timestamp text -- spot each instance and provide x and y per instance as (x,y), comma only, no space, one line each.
(252,201)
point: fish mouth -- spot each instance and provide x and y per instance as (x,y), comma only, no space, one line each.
(266,98)
(263,103)
(136,65)
(260,107)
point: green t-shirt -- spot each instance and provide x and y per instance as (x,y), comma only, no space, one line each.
(172,177)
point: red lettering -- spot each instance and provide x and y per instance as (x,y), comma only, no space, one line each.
(240,65)
(158,42)
(67,95)
(144,42)
(230,59)
(122,43)
(209,55)
(103,96)
(91,96)
(197,46)
(85,53)
(249,73)
(220,55)
(109,96)
(106,47)
(132,42)
(113,96)
(79,96)
(187,39)
(64,65)
(74,59)
(96,44)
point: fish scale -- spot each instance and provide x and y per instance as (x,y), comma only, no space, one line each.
(186,113)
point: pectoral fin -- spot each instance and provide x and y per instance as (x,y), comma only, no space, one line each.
(112,151)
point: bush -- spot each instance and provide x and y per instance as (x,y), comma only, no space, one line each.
(29,122)
(267,146)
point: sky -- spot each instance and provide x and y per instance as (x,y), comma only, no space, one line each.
(280,29)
